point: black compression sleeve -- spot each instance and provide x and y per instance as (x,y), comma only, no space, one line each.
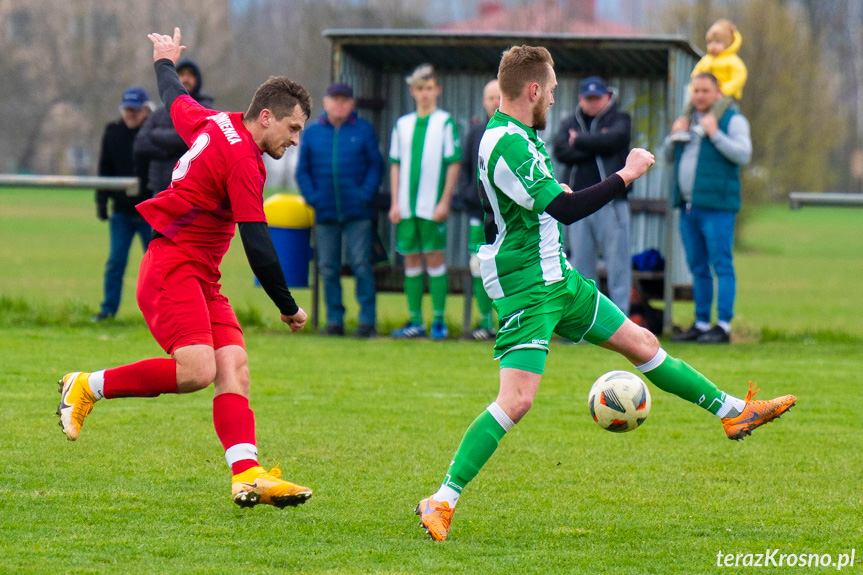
(169,84)
(568,208)
(265,265)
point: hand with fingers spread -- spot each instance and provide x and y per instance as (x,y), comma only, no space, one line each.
(166,46)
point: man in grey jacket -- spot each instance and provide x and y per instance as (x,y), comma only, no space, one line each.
(707,189)
(592,144)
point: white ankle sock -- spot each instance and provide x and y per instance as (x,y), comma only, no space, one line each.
(97,384)
(702,325)
(447,494)
(730,403)
(726,326)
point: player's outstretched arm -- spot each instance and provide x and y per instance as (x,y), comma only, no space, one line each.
(570,206)
(166,52)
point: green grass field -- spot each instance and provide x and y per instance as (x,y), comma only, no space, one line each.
(371,425)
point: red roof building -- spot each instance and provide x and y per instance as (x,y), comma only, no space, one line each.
(542,16)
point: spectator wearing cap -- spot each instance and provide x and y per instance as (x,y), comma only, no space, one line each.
(116,159)
(592,144)
(158,141)
(339,172)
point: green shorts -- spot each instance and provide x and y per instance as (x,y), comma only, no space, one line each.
(476,235)
(415,235)
(573,309)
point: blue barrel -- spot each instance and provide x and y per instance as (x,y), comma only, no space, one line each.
(290,220)
(293,246)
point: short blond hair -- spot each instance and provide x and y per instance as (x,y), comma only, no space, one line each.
(722,31)
(421,74)
(522,65)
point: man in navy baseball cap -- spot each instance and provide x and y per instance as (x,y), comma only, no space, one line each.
(593,86)
(135,98)
(339,89)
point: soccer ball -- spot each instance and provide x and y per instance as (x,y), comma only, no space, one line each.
(619,401)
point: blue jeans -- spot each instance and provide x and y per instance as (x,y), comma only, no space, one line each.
(357,234)
(123,230)
(708,238)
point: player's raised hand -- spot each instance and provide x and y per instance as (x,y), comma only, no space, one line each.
(166,46)
(637,163)
(297,321)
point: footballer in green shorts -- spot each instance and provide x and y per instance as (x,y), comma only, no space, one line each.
(424,165)
(537,293)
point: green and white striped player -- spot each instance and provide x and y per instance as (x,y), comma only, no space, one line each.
(424,157)
(536,293)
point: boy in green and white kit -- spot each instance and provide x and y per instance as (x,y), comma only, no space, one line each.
(537,293)
(424,156)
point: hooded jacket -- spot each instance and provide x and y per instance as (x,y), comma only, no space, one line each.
(600,147)
(340,170)
(159,142)
(728,68)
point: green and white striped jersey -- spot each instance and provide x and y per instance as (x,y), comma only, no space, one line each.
(516,173)
(423,147)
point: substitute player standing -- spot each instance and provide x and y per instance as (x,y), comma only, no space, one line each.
(216,185)
(536,293)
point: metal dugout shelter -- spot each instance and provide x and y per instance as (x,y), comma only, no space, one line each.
(649,74)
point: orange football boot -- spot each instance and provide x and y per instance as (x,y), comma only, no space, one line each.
(756,413)
(255,485)
(76,402)
(435,517)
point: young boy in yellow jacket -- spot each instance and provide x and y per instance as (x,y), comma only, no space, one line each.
(721,60)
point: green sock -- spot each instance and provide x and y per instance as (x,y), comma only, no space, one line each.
(676,376)
(477,446)
(414,291)
(438,288)
(483,302)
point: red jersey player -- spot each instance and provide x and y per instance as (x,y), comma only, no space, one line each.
(217,185)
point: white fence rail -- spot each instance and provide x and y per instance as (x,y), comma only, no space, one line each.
(70,182)
(800,199)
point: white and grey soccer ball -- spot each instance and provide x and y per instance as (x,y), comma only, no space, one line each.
(619,401)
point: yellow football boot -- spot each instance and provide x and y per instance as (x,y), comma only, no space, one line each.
(76,402)
(255,485)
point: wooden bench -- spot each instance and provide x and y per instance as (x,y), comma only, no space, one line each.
(389,278)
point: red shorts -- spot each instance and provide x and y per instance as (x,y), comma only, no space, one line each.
(180,299)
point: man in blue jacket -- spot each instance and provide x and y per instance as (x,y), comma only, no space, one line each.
(707,188)
(339,173)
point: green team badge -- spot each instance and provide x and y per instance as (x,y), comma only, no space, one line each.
(531,171)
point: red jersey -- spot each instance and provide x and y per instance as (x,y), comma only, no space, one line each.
(217,183)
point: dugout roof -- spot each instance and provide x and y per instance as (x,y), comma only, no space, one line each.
(644,56)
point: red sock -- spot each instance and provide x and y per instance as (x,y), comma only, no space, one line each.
(147,378)
(235,425)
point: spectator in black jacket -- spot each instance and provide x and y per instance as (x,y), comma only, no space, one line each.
(158,141)
(592,144)
(467,199)
(116,159)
